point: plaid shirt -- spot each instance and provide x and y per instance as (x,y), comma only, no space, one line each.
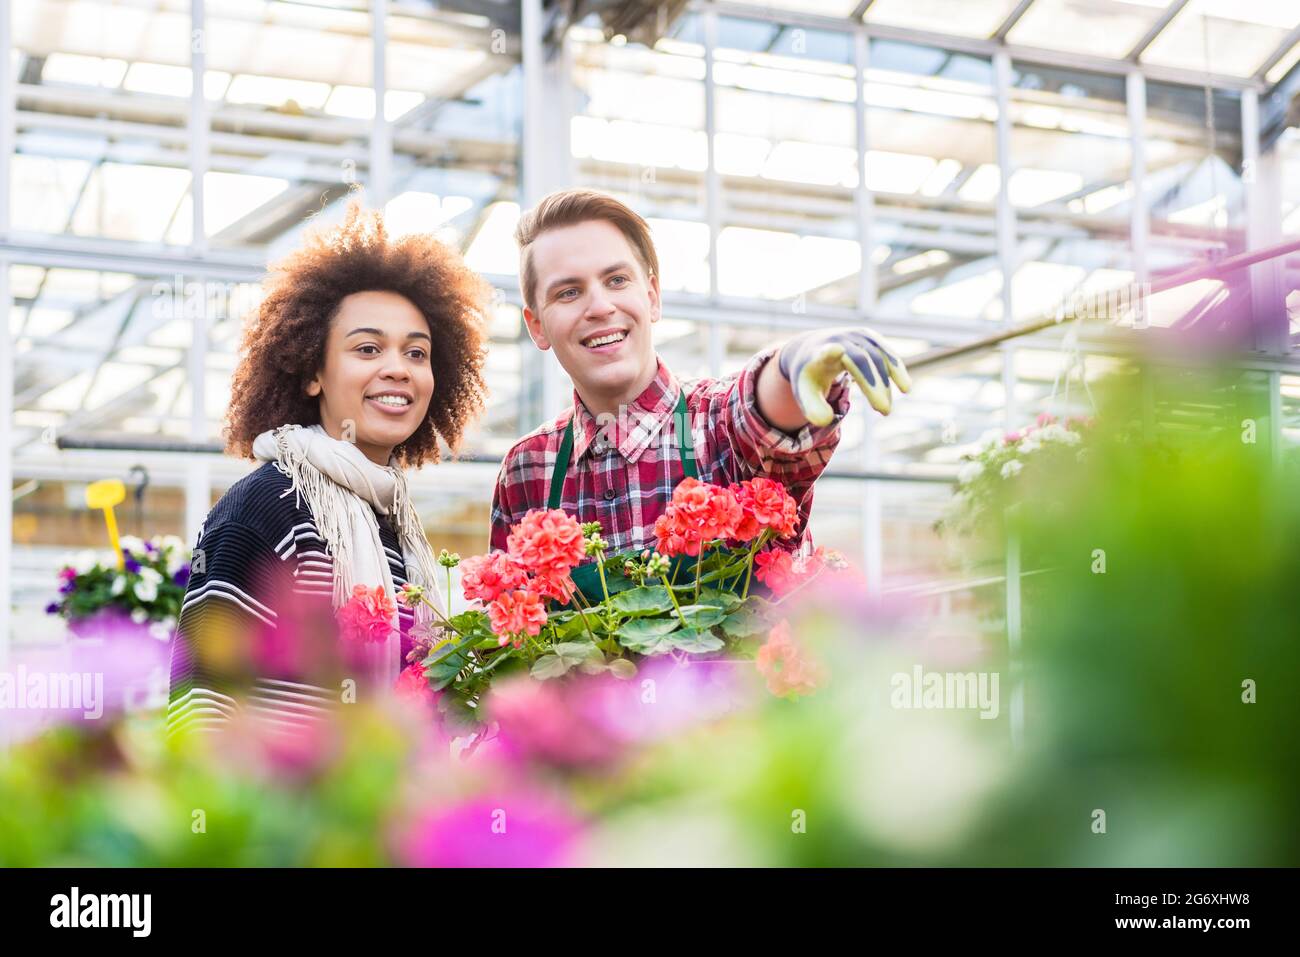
(623,469)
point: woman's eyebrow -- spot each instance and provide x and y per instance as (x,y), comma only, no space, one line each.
(380,333)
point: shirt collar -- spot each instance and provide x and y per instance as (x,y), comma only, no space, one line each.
(643,419)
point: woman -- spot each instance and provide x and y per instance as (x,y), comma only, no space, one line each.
(364,352)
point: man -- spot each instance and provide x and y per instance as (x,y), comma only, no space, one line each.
(589,275)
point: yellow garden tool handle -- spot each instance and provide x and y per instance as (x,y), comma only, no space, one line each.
(105,494)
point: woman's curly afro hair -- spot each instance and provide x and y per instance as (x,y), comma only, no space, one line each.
(284,345)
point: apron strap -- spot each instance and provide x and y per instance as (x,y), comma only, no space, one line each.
(685,448)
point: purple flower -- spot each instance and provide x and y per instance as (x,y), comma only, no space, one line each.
(150,547)
(52,608)
(131,564)
(67,588)
(182,576)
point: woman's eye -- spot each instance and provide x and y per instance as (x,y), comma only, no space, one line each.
(417,354)
(365,347)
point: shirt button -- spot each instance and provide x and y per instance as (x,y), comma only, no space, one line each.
(609,494)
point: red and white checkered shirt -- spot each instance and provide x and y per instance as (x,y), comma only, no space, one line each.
(623,470)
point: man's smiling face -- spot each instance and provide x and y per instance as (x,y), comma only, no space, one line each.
(594,307)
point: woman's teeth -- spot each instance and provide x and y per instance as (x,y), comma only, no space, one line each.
(396,401)
(605,340)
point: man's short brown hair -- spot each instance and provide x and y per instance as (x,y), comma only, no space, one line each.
(568,207)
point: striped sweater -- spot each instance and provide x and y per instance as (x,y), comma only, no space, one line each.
(260,547)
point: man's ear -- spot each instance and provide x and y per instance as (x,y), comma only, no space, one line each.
(652,290)
(535,330)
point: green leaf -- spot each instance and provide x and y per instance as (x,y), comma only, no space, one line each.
(696,642)
(641,629)
(702,617)
(470,621)
(550,666)
(727,600)
(622,668)
(744,622)
(651,645)
(641,601)
(577,650)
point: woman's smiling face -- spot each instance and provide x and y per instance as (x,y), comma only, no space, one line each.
(378,346)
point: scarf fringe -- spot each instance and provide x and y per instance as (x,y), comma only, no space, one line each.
(330,504)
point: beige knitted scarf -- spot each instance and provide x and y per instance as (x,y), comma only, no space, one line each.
(343,490)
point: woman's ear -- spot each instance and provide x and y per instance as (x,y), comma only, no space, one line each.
(313,387)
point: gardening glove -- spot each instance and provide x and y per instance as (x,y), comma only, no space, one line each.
(813,361)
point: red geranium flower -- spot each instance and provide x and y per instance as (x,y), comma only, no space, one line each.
(546,539)
(413,685)
(775,569)
(552,583)
(516,612)
(698,513)
(368,615)
(484,577)
(765,504)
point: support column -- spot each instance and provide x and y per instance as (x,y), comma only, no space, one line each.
(547,163)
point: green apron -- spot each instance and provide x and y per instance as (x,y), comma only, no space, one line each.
(587,577)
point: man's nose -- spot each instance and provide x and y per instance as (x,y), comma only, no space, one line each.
(600,304)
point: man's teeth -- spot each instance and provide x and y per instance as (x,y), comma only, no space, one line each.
(394,400)
(605,340)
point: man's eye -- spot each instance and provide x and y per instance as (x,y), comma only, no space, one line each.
(621,280)
(566,292)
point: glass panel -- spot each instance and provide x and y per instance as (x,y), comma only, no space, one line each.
(969,18)
(1232,37)
(1193,182)
(1103,29)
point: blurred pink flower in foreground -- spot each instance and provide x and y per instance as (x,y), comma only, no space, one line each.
(521,830)
(786,666)
(591,721)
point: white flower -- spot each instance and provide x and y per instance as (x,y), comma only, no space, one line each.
(119,585)
(139,616)
(84,561)
(146,591)
(1011,468)
(173,542)
(162,630)
(151,575)
(969,473)
(1057,433)
(132,544)
(1028,445)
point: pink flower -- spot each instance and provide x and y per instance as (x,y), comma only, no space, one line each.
(515,613)
(1044,418)
(1011,438)
(516,830)
(484,577)
(765,504)
(775,569)
(551,583)
(367,616)
(789,672)
(412,685)
(546,539)
(782,572)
